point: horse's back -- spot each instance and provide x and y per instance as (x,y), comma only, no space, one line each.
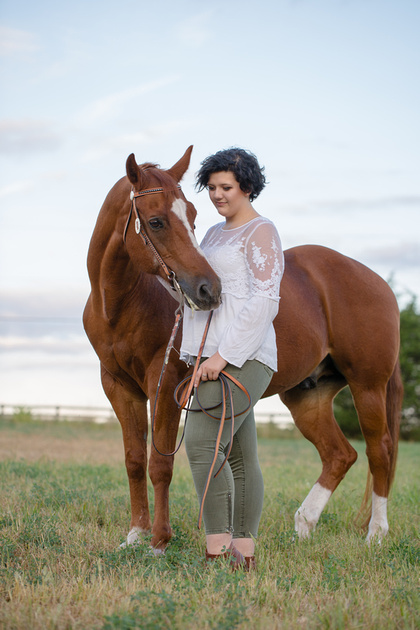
(340,283)
(333,305)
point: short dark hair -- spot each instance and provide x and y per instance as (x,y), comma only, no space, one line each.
(243,164)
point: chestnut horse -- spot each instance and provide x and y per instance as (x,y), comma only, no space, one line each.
(338,324)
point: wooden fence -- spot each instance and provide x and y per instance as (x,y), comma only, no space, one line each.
(59,412)
(101,415)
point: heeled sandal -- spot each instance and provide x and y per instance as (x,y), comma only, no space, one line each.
(250,563)
(236,559)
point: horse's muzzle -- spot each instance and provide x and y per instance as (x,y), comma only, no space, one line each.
(205,294)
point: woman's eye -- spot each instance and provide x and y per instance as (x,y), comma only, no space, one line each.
(156,224)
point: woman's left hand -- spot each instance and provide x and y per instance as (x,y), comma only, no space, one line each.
(210,369)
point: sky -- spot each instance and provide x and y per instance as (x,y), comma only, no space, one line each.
(324,92)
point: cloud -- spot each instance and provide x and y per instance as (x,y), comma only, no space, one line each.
(23,186)
(14,41)
(48,344)
(52,304)
(27,136)
(102,147)
(16,188)
(378,203)
(109,107)
(352,205)
(404,255)
(43,321)
(195,30)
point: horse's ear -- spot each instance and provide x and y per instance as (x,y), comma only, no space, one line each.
(178,170)
(133,171)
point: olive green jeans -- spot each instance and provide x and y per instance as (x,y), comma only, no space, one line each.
(234,498)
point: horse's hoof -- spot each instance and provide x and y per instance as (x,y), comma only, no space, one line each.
(133,537)
(378,525)
(303,533)
(376,537)
(155,552)
(304,528)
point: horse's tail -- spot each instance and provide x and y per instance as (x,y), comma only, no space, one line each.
(394,398)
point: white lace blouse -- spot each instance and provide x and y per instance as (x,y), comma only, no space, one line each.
(249,262)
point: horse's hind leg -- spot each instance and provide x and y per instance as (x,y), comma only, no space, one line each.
(132,414)
(312,411)
(378,411)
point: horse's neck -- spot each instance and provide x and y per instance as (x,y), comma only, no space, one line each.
(113,277)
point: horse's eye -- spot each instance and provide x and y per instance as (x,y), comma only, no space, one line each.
(156,224)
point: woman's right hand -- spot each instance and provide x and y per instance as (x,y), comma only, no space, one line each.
(210,369)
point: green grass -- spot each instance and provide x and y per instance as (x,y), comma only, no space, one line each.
(62,520)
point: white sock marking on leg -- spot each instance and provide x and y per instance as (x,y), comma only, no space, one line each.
(308,514)
(378,525)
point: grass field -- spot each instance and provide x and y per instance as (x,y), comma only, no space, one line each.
(65,510)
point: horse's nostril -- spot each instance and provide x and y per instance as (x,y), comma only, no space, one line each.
(204,291)
(208,293)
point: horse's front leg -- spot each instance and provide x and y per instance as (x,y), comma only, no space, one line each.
(164,438)
(132,414)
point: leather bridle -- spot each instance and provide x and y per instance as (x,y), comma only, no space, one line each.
(138,226)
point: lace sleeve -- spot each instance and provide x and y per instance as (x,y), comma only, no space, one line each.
(265,261)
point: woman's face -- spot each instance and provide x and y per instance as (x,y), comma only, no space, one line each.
(227,196)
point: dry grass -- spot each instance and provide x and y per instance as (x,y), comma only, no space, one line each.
(67,447)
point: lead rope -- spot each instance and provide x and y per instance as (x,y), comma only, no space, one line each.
(182,397)
(186,394)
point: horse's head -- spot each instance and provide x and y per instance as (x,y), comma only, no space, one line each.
(159,232)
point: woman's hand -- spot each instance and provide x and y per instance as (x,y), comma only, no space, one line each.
(210,369)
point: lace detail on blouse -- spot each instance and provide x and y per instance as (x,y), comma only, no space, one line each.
(248,259)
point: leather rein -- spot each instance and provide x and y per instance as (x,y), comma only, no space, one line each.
(184,390)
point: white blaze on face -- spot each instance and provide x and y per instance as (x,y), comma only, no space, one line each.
(179,208)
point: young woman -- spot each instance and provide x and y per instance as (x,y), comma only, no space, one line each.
(246,253)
